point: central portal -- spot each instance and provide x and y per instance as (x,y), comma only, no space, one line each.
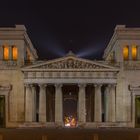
(70,100)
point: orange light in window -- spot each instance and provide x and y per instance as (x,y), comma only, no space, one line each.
(6,52)
(134,52)
(125,53)
(14,53)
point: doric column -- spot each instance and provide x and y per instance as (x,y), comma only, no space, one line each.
(112,104)
(107,101)
(81,104)
(42,103)
(33,89)
(97,104)
(58,104)
(28,103)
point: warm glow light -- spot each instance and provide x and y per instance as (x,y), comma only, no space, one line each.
(14,53)
(134,52)
(5,52)
(67,124)
(125,53)
(70,121)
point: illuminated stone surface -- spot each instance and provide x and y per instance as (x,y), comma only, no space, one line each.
(33,91)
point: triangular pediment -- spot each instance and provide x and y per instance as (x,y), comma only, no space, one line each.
(69,62)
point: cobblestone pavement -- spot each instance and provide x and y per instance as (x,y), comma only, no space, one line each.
(69,134)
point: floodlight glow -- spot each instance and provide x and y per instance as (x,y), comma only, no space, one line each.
(54,48)
(88,51)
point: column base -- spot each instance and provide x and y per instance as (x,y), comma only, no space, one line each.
(59,124)
(81,124)
(37,125)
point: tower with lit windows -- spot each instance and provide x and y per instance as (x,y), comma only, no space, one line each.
(16,50)
(124,45)
(16,46)
(123,51)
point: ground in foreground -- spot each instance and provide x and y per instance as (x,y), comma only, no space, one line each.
(70,134)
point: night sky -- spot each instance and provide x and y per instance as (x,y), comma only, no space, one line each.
(59,26)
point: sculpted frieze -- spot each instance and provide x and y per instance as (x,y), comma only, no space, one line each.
(71,64)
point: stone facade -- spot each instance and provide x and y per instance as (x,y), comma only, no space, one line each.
(33,92)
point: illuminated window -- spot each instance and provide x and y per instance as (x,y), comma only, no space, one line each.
(125,53)
(14,53)
(134,52)
(5,52)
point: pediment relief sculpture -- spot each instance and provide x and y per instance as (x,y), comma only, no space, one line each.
(71,64)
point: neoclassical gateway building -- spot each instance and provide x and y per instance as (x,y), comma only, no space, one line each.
(69,91)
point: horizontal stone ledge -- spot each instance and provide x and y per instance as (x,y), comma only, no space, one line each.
(101,81)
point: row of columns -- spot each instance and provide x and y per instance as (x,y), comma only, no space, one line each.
(31,103)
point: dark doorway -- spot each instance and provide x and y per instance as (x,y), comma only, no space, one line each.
(50,103)
(90,103)
(70,97)
(2,111)
(137,111)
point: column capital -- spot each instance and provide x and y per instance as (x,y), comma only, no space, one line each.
(58,85)
(82,85)
(27,85)
(111,85)
(97,85)
(42,85)
(32,85)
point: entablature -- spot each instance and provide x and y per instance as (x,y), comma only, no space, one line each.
(69,67)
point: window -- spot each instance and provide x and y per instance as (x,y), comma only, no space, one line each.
(125,52)
(6,52)
(14,52)
(134,52)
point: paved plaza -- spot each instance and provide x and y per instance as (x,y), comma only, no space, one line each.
(70,134)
